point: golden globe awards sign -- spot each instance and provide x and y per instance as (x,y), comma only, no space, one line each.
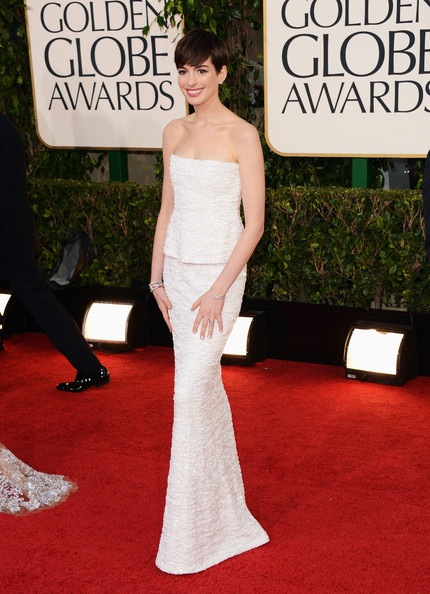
(348,77)
(97,81)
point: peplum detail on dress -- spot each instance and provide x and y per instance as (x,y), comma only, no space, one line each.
(205,223)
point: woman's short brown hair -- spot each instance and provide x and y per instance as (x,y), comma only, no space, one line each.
(197,46)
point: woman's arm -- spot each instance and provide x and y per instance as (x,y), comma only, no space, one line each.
(163,219)
(249,154)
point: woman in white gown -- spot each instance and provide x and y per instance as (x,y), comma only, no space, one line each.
(24,490)
(213,162)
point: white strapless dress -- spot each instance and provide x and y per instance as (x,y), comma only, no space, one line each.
(206,519)
(24,490)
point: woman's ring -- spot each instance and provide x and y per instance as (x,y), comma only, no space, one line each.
(211,321)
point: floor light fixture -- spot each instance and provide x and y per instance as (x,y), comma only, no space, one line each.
(115,326)
(247,342)
(4,300)
(381,352)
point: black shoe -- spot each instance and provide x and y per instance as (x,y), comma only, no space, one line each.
(83,381)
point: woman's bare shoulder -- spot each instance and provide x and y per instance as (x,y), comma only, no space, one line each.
(244,136)
(173,131)
(244,129)
(174,126)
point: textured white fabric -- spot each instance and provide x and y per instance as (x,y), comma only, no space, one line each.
(206,519)
(205,224)
(23,489)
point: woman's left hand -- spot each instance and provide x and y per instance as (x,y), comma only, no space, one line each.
(209,313)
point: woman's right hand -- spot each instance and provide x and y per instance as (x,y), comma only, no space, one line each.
(164,304)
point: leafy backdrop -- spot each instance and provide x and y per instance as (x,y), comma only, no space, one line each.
(333,245)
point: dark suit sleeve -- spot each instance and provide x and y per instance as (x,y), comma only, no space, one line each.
(17,232)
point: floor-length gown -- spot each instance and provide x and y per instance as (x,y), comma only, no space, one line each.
(206,519)
(24,490)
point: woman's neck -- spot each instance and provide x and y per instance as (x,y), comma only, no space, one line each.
(210,114)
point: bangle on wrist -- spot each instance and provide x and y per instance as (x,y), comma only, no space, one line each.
(216,295)
(155,285)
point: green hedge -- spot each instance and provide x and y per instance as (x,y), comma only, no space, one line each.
(343,247)
(118,217)
(336,246)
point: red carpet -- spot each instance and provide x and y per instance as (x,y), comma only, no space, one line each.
(337,472)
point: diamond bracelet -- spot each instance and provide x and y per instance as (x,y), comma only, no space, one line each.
(155,285)
(217,295)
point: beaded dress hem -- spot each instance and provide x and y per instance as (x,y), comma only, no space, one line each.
(24,490)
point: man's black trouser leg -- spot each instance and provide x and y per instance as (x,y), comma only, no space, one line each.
(28,283)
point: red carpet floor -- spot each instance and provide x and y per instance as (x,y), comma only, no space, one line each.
(337,471)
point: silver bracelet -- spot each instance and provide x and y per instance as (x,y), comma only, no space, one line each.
(155,285)
(217,295)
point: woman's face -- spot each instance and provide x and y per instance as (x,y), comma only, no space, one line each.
(200,83)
